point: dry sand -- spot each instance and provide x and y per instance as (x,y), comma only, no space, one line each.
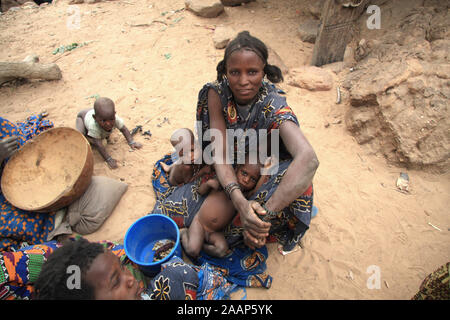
(156,70)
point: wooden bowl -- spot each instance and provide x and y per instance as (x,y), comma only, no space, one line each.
(49,172)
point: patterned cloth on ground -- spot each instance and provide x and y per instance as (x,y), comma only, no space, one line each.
(20,269)
(436,286)
(16,225)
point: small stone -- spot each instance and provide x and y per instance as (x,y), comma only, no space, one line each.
(307,31)
(222,35)
(205,8)
(311,78)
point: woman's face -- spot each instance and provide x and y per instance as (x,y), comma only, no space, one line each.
(111,280)
(245,71)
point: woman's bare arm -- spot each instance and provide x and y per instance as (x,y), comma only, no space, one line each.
(300,172)
(297,178)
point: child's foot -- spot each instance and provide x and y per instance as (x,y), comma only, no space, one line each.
(43,114)
(165,167)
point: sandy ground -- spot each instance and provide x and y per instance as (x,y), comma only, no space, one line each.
(364,228)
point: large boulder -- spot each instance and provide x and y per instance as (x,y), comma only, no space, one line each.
(205,8)
(399,93)
(7,4)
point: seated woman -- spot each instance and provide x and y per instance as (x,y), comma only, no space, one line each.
(16,225)
(240,99)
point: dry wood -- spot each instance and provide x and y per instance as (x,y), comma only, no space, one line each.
(334,32)
(29,68)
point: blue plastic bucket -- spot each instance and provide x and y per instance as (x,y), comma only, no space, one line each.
(142,236)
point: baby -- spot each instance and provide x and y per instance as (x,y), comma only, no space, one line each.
(97,124)
(184,169)
(216,212)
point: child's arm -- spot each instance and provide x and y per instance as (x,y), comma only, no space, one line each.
(211,184)
(126,133)
(97,143)
(166,167)
(201,172)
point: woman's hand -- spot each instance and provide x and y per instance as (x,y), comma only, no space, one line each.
(255,230)
(7,147)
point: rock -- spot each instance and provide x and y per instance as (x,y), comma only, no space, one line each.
(307,31)
(29,5)
(349,57)
(7,4)
(335,67)
(222,35)
(311,78)
(400,87)
(439,27)
(276,60)
(205,8)
(401,109)
(314,8)
(233,3)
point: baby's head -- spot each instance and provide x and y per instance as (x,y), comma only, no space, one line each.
(184,143)
(105,113)
(248,174)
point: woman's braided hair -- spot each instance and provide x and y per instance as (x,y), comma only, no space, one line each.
(244,41)
(52,283)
